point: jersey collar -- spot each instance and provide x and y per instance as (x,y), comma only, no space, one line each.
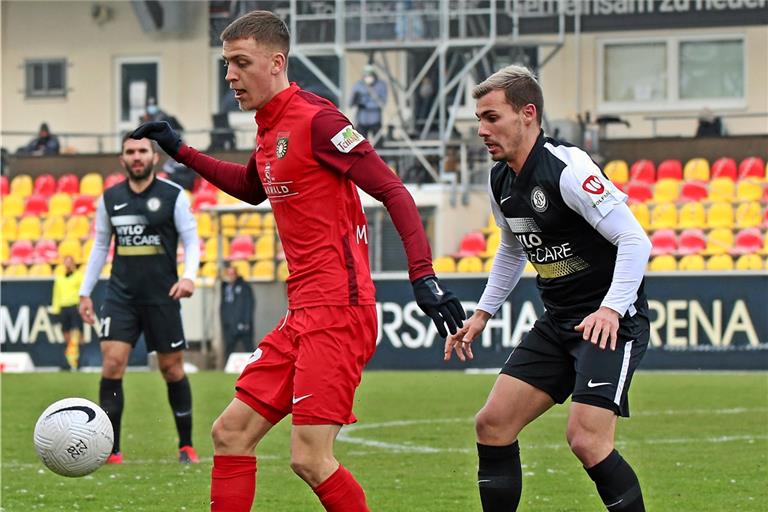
(268,115)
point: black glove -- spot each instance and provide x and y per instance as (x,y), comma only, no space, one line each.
(439,304)
(162,133)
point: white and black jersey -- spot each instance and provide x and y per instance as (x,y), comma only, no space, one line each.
(146,228)
(553,207)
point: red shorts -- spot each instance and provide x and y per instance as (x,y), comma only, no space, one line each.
(310,365)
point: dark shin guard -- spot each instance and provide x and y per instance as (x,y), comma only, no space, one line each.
(617,484)
(499,477)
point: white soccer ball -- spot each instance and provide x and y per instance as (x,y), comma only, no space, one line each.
(73,437)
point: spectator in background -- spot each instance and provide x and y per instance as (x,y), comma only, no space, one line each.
(155,113)
(710,125)
(426,94)
(369,95)
(44,144)
(64,304)
(236,311)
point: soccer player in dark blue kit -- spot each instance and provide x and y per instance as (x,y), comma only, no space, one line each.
(556,209)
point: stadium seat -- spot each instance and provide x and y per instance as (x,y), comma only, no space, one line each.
(5,251)
(242,267)
(22,251)
(249,223)
(749,189)
(692,263)
(228,224)
(664,216)
(724,168)
(204,225)
(46,251)
(666,190)
(92,184)
(21,185)
(16,270)
(45,185)
(5,187)
(265,269)
(693,191)
(40,270)
(13,206)
(469,264)
(720,262)
(10,229)
(209,251)
(84,205)
(265,247)
(670,170)
(749,240)
(226,199)
(639,192)
(241,248)
(472,244)
(444,265)
(487,264)
(268,222)
(490,225)
(203,185)
(643,170)
(720,215)
(203,199)
(29,229)
(696,169)
(113,179)
(692,241)
(663,263)
(60,204)
(68,184)
(749,262)
(691,215)
(282,271)
(749,215)
(491,245)
(722,189)
(71,247)
(78,227)
(719,241)
(753,167)
(642,214)
(616,170)
(664,242)
(209,270)
(36,204)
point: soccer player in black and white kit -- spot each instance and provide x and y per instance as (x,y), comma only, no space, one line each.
(556,208)
(147,216)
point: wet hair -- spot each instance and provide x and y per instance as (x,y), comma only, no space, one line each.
(263,26)
(519,85)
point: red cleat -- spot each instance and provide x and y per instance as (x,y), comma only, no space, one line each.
(115,458)
(188,455)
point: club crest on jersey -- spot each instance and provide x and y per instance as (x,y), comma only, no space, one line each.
(347,138)
(153,204)
(593,185)
(281,148)
(539,199)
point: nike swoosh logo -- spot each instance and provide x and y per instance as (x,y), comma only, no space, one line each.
(177,344)
(482,481)
(614,504)
(502,201)
(298,399)
(182,414)
(120,206)
(597,384)
(82,408)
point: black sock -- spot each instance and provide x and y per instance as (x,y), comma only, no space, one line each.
(499,477)
(111,400)
(617,484)
(180,397)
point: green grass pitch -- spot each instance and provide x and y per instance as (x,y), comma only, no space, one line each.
(698,441)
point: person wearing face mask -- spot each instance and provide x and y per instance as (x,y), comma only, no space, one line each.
(369,95)
(155,113)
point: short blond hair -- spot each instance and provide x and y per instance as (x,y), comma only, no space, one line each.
(264,26)
(519,85)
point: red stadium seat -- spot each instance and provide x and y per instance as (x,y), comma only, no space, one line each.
(5,187)
(22,251)
(46,251)
(670,169)
(747,241)
(664,242)
(724,168)
(202,184)
(472,244)
(241,248)
(752,167)
(113,179)
(36,205)
(692,241)
(643,170)
(83,205)
(69,184)
(694,191)
(204,198)
(639,192)
(45,185)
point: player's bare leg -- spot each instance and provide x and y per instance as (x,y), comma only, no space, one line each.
(511,405)
(180,397)
(235,433)
(114,356)
(313,460)
(590,435)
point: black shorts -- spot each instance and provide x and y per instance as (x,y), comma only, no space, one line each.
(70,320)
(160,323)
(554,358)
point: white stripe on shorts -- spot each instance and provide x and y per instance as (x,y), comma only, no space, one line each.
(623,374)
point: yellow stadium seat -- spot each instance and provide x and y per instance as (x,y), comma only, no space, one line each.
(664,216)
(666,190)
(54,228)
(444,265)
(106,270)
(492,245)
(87,248)
(749,215)
(13,206)
(617,171)
(204,224)
(40,270)
(78,226)
(242,267)
(209,270)
(10,228)
(642,214)
(60,204)
(490,226)
(226,199)
(228,223)
(282,271)
(16,270)
(264,269)
(720,215)
(749,262)
(692,215)
(749,190)
(696,169)
(268,221)
(720,262)
(5,251)
(21,186)
(469,264)
(92,184)
(692,262)
(663,263)
(487,264)
(71,247)
(265,247)
(249,223)
(719,241)
(210,249)
(29,229)
(722,189)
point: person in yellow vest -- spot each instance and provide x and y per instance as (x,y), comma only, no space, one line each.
(66,299)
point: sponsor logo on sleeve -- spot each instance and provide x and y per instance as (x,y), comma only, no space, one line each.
(593,185)
(347,138)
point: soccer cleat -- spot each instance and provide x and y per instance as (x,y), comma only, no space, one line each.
(115,458)
(188,455)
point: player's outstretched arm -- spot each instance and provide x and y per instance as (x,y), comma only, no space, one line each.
(461,342)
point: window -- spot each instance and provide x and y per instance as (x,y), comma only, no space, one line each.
(46,78)
(680,73)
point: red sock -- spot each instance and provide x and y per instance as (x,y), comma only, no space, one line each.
(233,483)
(340,492)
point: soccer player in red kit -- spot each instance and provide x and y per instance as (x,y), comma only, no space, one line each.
(308,161)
